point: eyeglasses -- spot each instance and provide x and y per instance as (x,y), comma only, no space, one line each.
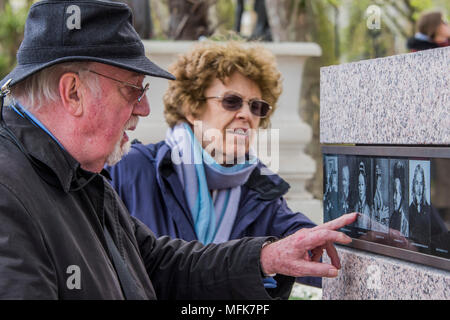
(233,102)
(137,93)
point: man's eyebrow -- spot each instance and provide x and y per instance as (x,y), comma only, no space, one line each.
(135,78)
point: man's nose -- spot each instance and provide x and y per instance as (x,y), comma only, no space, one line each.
(142,108)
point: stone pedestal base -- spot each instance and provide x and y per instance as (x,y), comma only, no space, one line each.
(370,276)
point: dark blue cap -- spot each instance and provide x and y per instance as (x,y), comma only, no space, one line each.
(91,30)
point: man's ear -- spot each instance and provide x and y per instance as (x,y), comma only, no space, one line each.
(69,91)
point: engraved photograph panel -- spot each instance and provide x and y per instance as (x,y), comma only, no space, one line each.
(399,217)
(419,203)
(380,204)
(330,188)
(363,191)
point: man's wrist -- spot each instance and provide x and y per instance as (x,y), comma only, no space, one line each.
(262,269)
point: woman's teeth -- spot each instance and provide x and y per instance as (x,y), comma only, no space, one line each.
(239,131)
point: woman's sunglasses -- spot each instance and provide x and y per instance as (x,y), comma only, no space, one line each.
(233,102)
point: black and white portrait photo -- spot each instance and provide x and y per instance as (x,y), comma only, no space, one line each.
(330,188)
(345,204)
(362,184)
(380,204)
(399,218)
(419,201)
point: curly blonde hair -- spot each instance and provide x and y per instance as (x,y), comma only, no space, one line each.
(195,71)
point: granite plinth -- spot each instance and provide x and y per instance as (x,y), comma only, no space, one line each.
(370,276)
(402,99)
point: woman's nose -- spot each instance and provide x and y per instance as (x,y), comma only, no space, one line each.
(244,112)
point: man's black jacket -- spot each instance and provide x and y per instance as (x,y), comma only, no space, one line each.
(52,243)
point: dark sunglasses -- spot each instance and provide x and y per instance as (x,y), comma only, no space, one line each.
(233,102)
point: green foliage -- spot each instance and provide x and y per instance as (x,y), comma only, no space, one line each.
(355,40)
(335,3)
(225,11)
(322,31)
(419,6)
(12,25)
(160,17)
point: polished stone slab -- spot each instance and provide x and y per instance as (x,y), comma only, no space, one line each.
(371,276)
(401,99)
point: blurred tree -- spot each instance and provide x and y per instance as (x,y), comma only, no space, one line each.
(287,19)
(189,19)
(12,23)
(261,30)
(224,10)
(160,18)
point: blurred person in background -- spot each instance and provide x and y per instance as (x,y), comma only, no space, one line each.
(432,32)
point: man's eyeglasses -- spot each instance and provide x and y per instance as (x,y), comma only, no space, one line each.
(233,102)
(138,92)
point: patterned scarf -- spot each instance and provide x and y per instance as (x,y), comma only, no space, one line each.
(211,190)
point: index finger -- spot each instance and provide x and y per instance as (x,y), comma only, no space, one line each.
(339,222)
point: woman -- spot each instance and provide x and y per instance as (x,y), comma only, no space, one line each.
(204,182)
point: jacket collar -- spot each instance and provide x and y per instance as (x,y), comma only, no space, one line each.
(58,164)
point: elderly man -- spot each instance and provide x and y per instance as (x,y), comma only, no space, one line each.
(64,233)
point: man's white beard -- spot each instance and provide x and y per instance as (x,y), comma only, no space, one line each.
(118,152)
(121,150)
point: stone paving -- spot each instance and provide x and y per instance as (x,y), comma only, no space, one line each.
(303,292)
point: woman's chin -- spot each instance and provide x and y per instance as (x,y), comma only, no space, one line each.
(236,157)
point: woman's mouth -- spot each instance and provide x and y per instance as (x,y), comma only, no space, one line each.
(239,131)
